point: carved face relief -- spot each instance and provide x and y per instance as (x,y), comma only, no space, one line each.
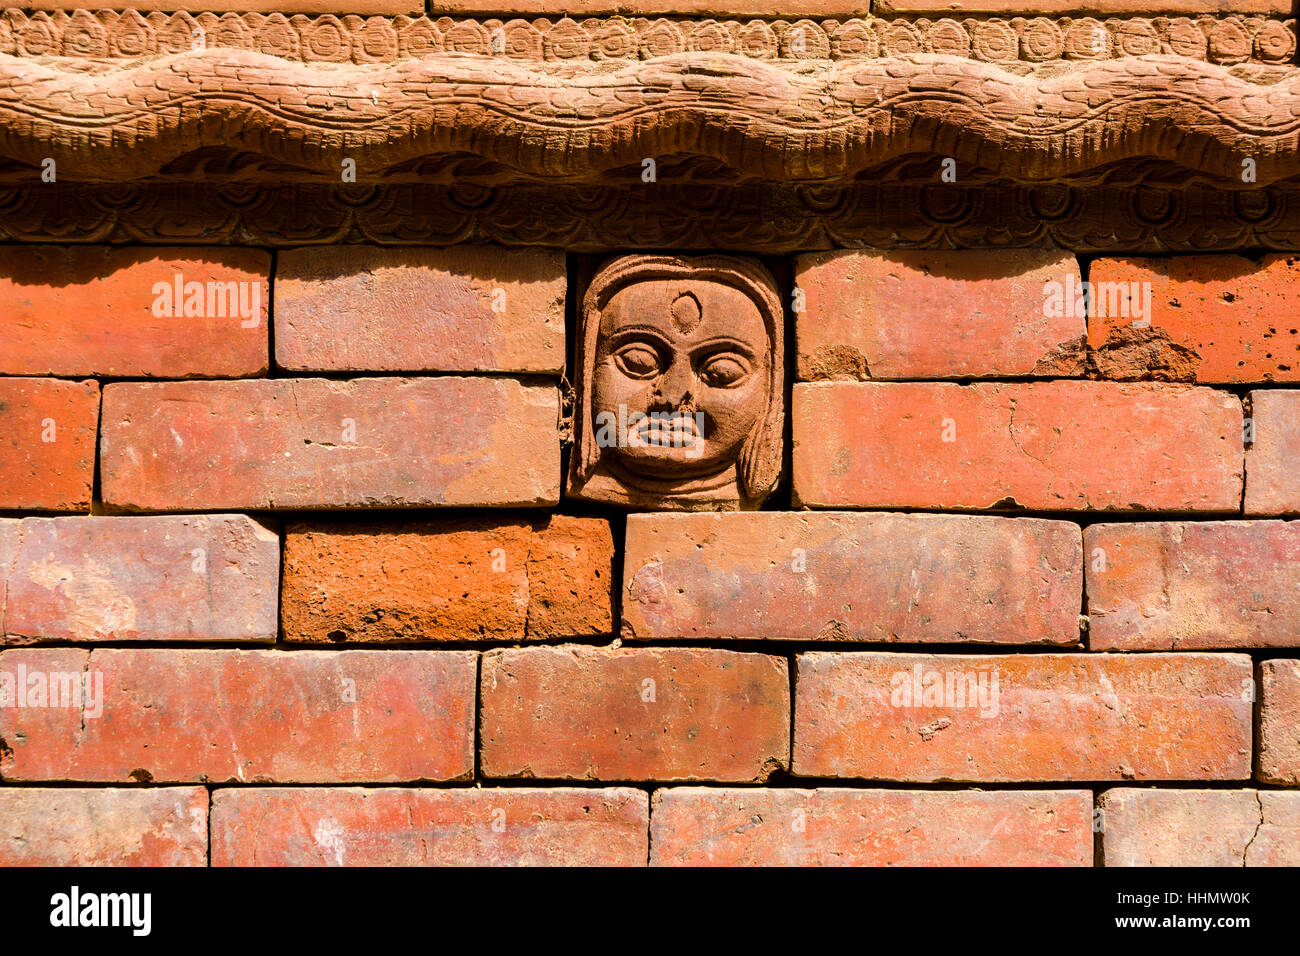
(681,384)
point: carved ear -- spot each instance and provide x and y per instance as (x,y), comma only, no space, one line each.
(759,466)
(587,449)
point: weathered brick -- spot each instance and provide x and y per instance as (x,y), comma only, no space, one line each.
(852,577)
(463,309)
(165,578)
(178,716)
(1199,827)
(289,443)
(1279,723)
(1047,446)
(633,714)
(47,443)
(719,826)
(67,826)
(90,310)
(935,314)
(1182,585)
(318,826)
(1272,479)
(1213,318)
(478,579)
(1053,717)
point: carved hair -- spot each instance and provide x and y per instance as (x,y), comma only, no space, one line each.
(759,464)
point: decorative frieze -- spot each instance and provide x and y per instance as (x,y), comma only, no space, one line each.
(327,38)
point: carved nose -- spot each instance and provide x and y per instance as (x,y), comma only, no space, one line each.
(675,386)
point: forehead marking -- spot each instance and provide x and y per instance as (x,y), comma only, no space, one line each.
(686,313)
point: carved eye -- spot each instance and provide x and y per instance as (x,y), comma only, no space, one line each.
(724,371)
(637,361)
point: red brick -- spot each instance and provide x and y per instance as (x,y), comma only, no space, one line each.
(355,308)
(935,314)
(1048,446)
(1272,479)
(89,310)
(10,537)
(1054,717)
(157,826)
(1193,585)
(1213,319)
(852,577)
(478,579)
(584,713)
(47,443)
(318,826)
(281,443)
(1199,827)
(179,716)
(1279,723)
(172,578)
(717,826)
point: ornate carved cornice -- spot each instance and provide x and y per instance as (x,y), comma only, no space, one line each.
(588,122)
(771,219)
(128,34)
(1142,134)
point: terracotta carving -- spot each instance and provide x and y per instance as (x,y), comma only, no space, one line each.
(446,117)
(128,34)
(1137,216)
(680,384)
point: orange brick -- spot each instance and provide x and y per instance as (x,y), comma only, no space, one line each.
(327,826)
(1047,446)
(315,443)
(1052,717)
(718,826)
(852,577)
(590,713)
(163,578)
(181,716)
(480,579)
(1199,827)
(1183,585)
(1272,479)
(935,314)
(1213,318)
(95,310)
(47,443)
(1135,7)
(67,826)
(1279,723)
(464,309)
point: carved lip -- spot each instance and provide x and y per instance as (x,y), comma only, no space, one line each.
(667,430)
(804,121)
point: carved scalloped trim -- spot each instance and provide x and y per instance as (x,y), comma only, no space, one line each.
(130,34)
(769,220)
(587,123)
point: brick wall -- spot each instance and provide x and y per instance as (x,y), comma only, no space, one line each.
(288,573)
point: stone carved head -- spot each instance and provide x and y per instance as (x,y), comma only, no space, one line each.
(680,384)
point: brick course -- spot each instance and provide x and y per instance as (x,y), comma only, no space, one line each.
(309,592)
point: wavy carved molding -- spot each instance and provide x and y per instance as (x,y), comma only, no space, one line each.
(769,219)
(215,114)
(130,34)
